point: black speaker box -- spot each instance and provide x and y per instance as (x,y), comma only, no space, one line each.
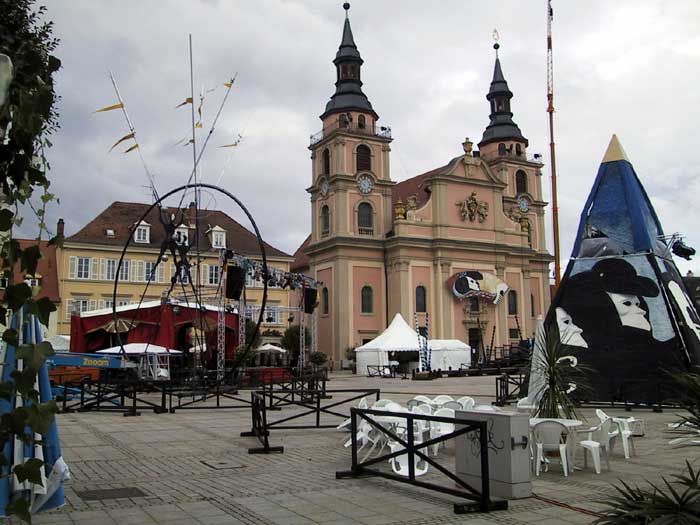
(310,295)
(235,279)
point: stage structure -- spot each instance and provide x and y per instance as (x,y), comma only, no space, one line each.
(622,308)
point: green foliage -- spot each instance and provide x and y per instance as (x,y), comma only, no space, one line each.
(249,332)
(561,378)
(687,395)
(27,119)
(676,502)
(318,358)
(290,339)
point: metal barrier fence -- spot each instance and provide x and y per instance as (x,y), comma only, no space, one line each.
(508,388)
(480,498)
(261,426)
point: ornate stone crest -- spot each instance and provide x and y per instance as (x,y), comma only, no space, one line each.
(473,209)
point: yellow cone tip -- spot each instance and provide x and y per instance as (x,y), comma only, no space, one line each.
(615,151)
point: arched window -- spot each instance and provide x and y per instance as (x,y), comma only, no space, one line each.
(326,161)
(367,300)
(518,150)
(364,158)
(512,303)
(501,149)
(361,123)
(325,220)
(532,305)
(365,219)
(520,182)
(420,298)
(324,301)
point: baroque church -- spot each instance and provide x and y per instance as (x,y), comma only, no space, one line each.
(460,249)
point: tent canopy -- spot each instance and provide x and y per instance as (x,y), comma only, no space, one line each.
(269,347)
(447,344)
(398,337)
(138,349)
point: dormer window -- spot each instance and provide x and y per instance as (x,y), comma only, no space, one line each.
(218,238)
(109,232)
(142,234)
(181,235)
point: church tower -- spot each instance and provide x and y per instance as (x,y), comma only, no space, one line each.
(351,207)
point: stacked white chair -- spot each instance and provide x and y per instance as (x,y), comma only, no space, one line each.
(441,429)
(399,464)
(441,400)
(361,404)
(623,431)
(454,405)
(466,402)
(598,438)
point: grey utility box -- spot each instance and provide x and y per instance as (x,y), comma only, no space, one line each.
(509,453)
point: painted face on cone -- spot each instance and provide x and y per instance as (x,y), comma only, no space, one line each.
(627,306)
(569,333)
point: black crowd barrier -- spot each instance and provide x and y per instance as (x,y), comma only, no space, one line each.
(261,425)
(479,499)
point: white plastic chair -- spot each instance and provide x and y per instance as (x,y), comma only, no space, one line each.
(439,428)
(551,436)
(380,404)
(486,408)
(441,399)
(361,404)
(524,405)
(454,405)
(399,464)
(623,431)
(423,399)
(466,402)
(598,438)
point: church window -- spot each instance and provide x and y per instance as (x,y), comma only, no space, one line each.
(532,305)
(420,298)
(361,123)
(326,162)
(364,158)
(367,300)
(520,182)
(325,220)
(512,303)
(501,149)
(473,304)
(365,219)
(518,150)
(324,301)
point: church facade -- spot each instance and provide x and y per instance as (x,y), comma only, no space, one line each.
(460,248)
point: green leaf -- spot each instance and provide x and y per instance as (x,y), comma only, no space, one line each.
(30,471)
(7,389)
(54,65)
(30,258)
(3,315)
(24,380)
(16,295)
(44,306)
(41,417)
(11,337)
(19,508)
(15,420)
(35,355)
(57,240)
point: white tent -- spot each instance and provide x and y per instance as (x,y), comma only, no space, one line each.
(269,347)
(398,337)
(138,349)
(60,343)
(449,353)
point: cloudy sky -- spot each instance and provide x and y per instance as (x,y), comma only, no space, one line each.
(627,67)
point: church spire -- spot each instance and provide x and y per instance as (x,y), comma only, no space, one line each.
(348,94)
(501,126)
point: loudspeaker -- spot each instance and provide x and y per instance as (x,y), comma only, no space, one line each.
(235,279)
(310,295)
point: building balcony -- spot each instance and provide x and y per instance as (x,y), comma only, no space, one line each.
(368,232)
(352,127)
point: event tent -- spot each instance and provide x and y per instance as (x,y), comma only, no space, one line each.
(139,349)
(269,347)
(400,337)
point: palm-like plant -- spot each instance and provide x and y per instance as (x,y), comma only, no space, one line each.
(559,374)
(687,387)
(671,504)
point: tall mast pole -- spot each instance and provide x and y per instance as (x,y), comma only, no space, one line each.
(553,165)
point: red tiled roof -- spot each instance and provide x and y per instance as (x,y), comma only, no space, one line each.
(46,268)
(418,186)
(122,216)
(301,260)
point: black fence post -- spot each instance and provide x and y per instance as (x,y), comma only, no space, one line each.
(484,445)
(353,437)
(411,455)
(318,410)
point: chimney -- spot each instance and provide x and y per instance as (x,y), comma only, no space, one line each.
(60,225)
(191,214)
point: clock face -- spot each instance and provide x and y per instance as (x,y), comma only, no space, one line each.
(324,187)
(365,184)
(523,204)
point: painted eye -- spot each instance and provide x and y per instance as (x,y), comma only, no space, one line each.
(627,303)
(566,321)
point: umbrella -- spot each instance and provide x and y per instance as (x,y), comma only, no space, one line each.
(49,494)
(120,325)
(138,349)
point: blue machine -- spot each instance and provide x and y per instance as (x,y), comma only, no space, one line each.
(88,360)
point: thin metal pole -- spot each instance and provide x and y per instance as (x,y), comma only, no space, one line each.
(553,167)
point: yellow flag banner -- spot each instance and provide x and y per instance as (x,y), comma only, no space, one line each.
(110,108)
(135,146)
(188,100)
(229,145)
(228,84)
(125,137)
(198,124)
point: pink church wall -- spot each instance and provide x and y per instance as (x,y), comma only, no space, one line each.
(366,324)
(325,328)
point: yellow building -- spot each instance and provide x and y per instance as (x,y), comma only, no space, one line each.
(89,261)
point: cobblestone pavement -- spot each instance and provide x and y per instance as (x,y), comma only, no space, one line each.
(193,467)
